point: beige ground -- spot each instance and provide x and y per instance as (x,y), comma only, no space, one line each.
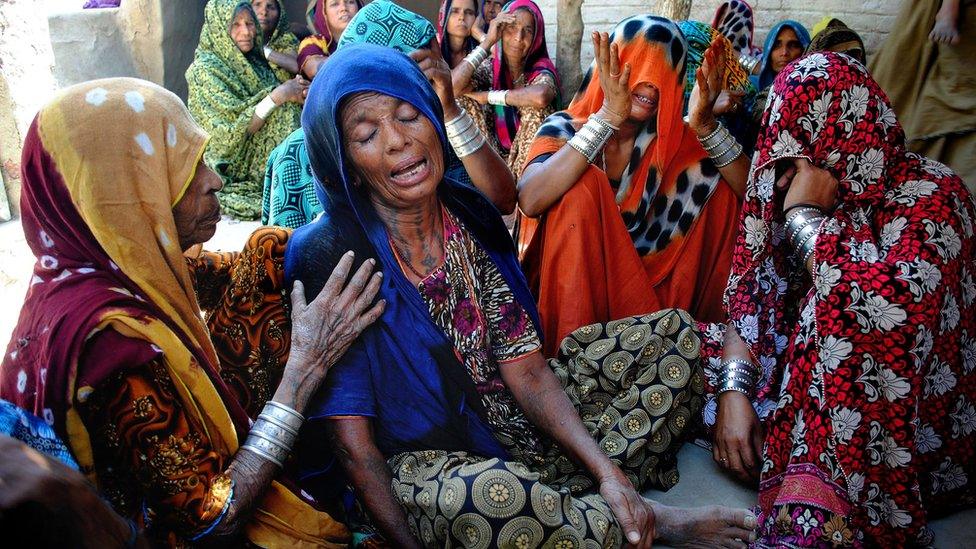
(17,261)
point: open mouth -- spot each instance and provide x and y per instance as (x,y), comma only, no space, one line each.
(640,99)
(410,172)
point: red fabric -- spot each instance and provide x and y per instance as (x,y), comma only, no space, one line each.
(873,359)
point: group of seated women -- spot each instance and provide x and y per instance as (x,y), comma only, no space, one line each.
(394,373)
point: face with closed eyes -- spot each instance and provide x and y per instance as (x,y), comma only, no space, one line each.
(197,213)
(392,149)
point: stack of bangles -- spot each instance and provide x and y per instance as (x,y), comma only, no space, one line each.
(738,375)
(749,62)
(721,147)
(273,434)
(592,137)
(802,226)
(464,135)
(476,57)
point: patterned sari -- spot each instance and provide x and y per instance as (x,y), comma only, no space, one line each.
(283,40)
(661,236)
(109,348)
(225,87)
(735,20)
(868,381)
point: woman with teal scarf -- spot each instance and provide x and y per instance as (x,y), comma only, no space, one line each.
(785,43)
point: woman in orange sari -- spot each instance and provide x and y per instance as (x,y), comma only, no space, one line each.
(642,217)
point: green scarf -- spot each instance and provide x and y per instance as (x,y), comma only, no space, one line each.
(283,40)
(225,85)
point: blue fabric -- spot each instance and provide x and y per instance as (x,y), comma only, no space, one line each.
(34,432)
(766,75)
(403,371)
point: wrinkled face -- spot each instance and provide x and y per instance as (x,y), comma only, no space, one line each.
(786,49)
(268,13)
(197,213)
(517,37)
(492,9)
(338,13)
(392,148)
(243,30)
(461,18)
(643,102)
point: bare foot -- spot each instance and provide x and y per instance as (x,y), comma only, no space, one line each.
(944,32)
(711,526)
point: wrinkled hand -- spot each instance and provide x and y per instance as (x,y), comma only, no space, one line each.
(614,81)
(495,29)
(633,512)
(438,73)
(944,31)
(293,91)
(808,184)
(738,436)
(708,88)
(323,330)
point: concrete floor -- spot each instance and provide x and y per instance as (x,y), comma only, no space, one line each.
(703,483)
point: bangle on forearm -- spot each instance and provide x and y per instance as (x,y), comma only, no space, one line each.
(498,98)
(265,107)
(715,139)
(592,137)
(463,135)
(476,57)
(274,433)
(748,62)
(812,246)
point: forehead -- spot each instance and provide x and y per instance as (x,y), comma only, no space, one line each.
(524,17)
(243,15)
(786,34)
(365,105)
(463,5)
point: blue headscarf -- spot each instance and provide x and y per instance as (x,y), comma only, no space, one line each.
(403,371)
(766,74)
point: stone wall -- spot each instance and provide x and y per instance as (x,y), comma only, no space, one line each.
(870,18)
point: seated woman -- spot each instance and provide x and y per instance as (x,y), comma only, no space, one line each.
(110,348)
(280,44)
(329,19)
(785,43)
(236,97)
(451,426)
(735,20)
(853,290)
(518,87)
(631,219)
(833,35)
(289,194)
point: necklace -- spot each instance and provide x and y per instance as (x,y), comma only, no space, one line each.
(402,257)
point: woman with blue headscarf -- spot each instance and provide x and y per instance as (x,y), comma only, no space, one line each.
(785,43)
(449,423)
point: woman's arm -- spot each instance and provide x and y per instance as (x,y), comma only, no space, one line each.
(311,66)
(371,478)
(535,96)
(540,395)
(293,90)
(287,61)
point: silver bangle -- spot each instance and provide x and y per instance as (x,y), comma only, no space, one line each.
(498,97)
(729,156)
(463,135)
(796,212)
(716,138)
(748,63)
(476,57)
(468,147)
(265,107)
(602,121)
(285,413)
(803,234)
(736,389)
(269,449)
(810,250)
(591,138)
(800,221)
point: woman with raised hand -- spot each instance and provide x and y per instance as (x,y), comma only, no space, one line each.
(110,348)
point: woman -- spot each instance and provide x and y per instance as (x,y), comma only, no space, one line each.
(289,197)
(860,322)
(235,95)
(280,44)
(518,88)
(329,19)
(110,348)
(645,219)
(455,21)
(735,20)
(831,34)
(785,43)
(925,66)
(439,411)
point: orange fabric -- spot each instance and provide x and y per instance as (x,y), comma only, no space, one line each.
(559,256)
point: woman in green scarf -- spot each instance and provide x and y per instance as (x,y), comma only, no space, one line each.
(280,44)
(237,98)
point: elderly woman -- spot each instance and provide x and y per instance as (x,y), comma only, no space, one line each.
(289,194)
(634,214)
(853,292)
(517,86)
(236,97)
(280,44)
(329,19)
(110,348)
(449,423)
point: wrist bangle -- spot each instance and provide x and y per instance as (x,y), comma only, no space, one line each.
(497,97)
(267,51)
(265,107)
(476,57)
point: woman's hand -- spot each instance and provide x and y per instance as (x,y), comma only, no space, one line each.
(614,81)
(293,91)
(438,73)
(729,101)
(708,88)
(323,330)
(633,512)
(808,184)
(495,29)
(738,436)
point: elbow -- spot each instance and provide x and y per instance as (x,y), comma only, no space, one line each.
(506,205)
(543,99)
(529,206)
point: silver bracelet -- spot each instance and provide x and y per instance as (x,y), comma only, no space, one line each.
(734,152)
(795,212)
(810,250)
(498,97)
(265,107)
(748,62)
(476,57)
(463,135)
(736,389)
(591,138)
(264,446)
(797,222)
(807,230)
(716,138)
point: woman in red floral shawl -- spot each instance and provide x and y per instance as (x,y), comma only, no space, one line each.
(866,352)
